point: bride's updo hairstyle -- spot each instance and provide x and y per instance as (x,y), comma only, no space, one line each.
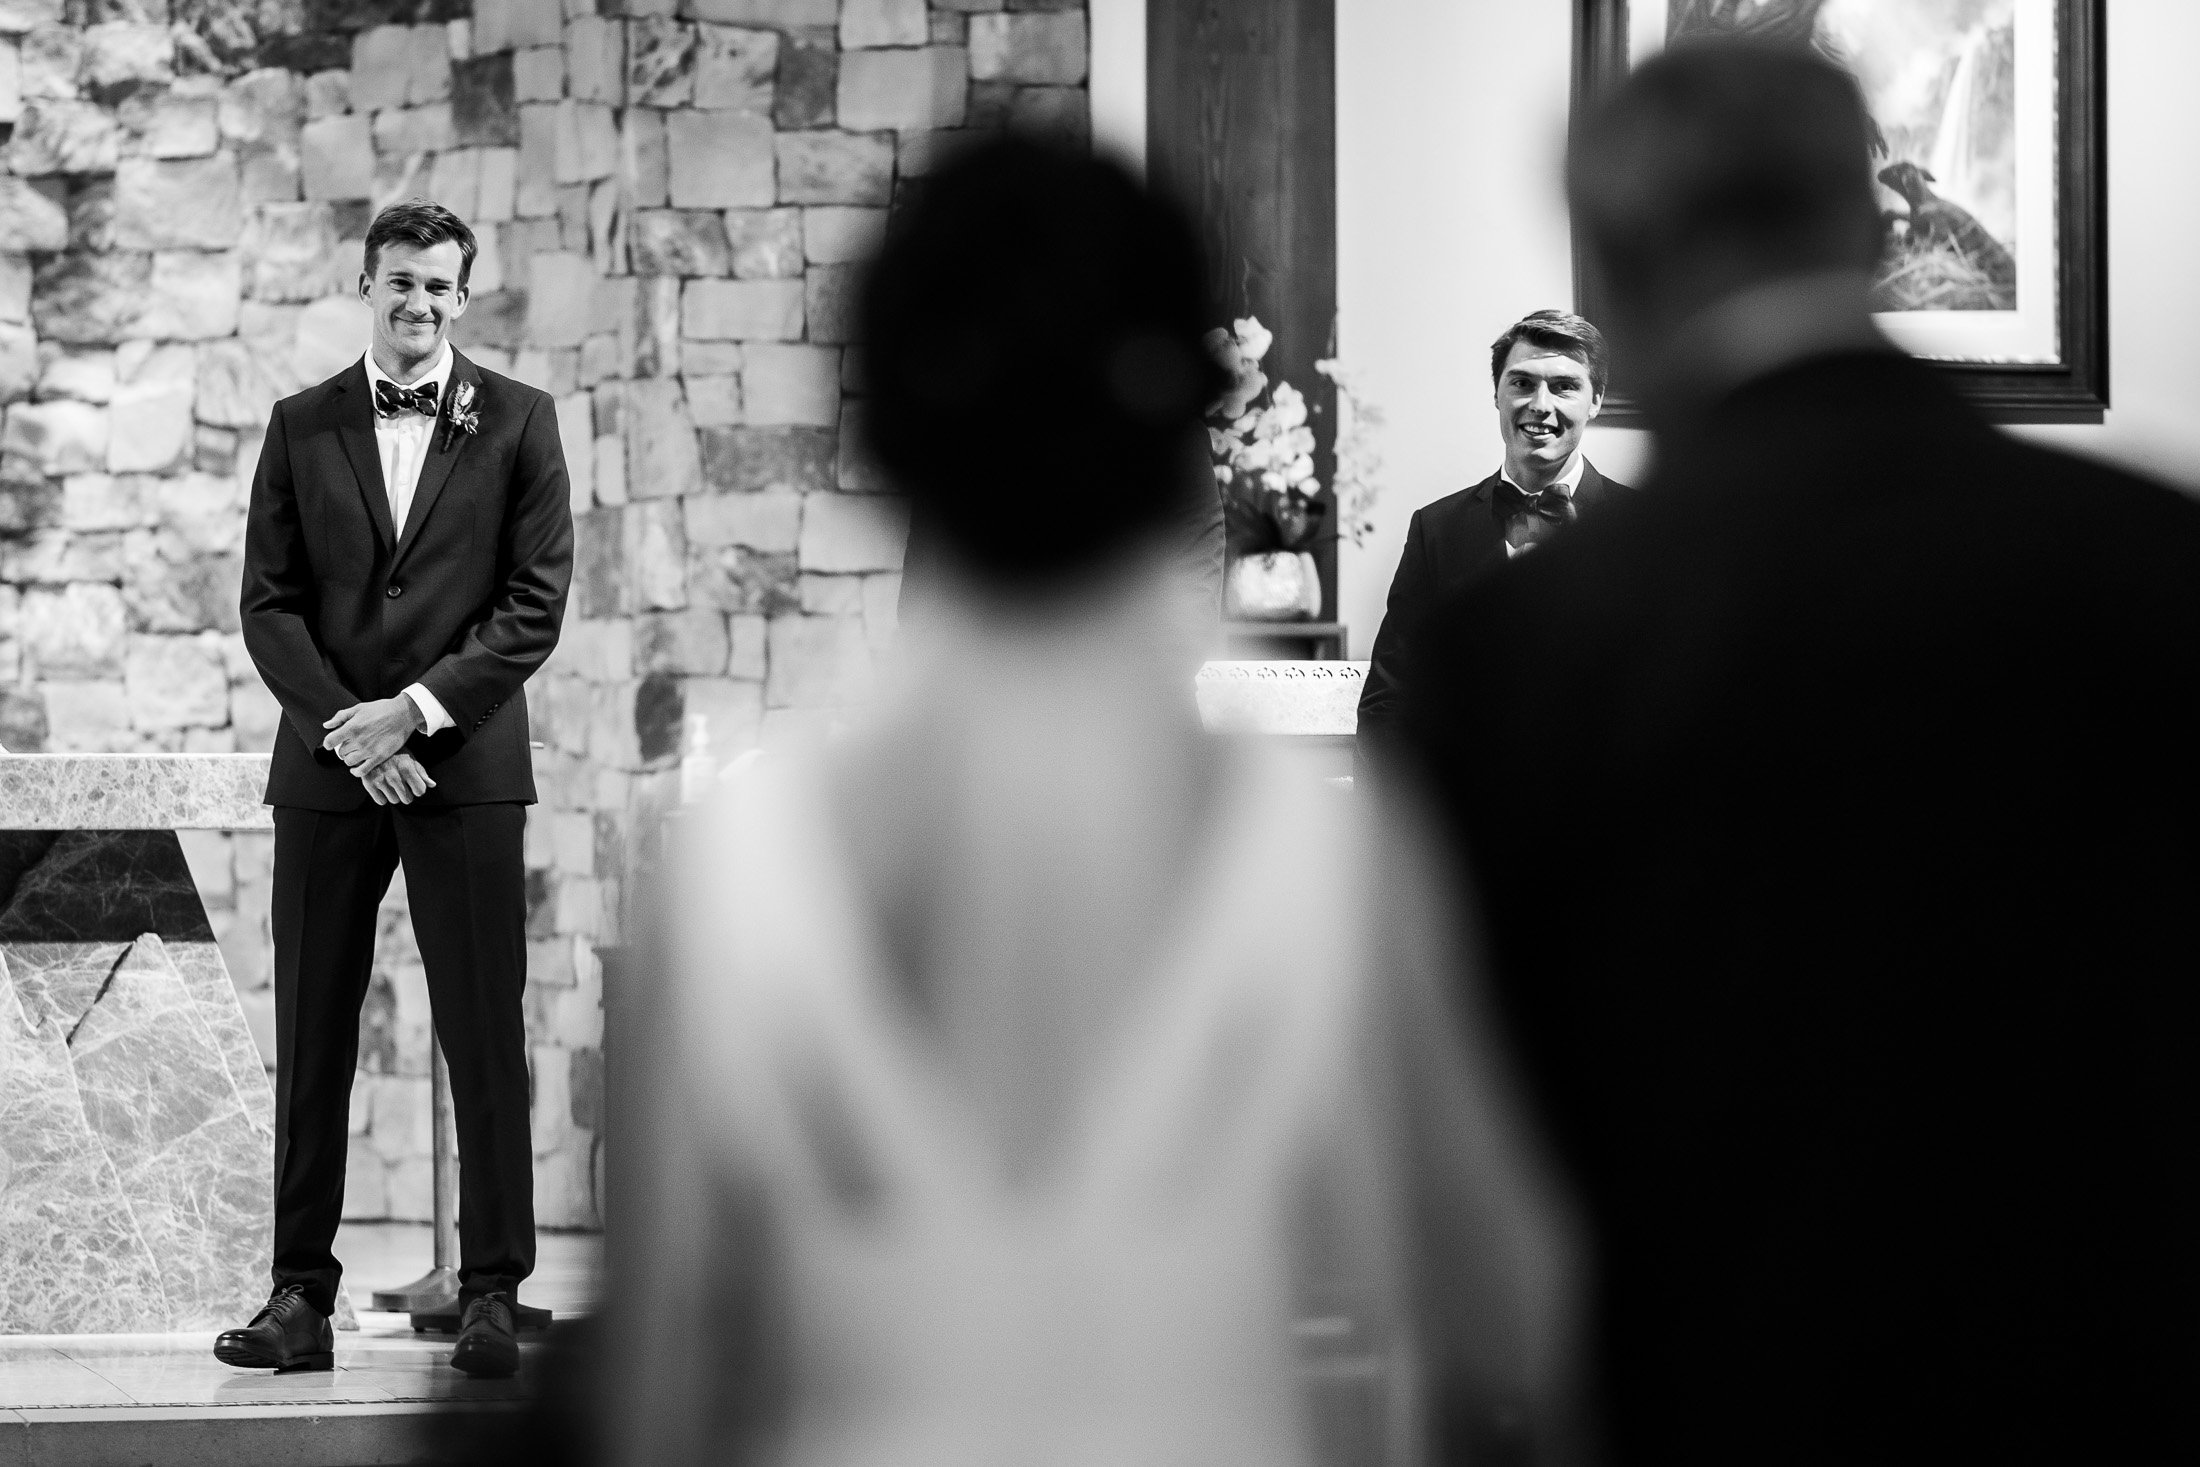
(1031,343)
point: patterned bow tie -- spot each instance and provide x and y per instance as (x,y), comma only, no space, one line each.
(391,399)
(1550,504)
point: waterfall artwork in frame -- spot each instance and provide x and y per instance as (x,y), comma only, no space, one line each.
(1989,156)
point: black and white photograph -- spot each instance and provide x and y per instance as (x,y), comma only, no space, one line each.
(1098,733)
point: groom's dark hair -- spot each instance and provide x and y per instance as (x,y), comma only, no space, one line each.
(420,223)
(1559,331)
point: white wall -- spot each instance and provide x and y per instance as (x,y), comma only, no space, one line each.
(1450,225)
(1118,80)
(2153,246)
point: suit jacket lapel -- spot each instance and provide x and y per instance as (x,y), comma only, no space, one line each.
(355,426)
(1485,494)
(1472,535)
(435,468)
(1589,492)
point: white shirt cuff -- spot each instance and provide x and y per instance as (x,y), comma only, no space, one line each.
(430,709)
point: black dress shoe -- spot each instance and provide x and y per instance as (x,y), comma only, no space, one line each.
(287,1334)
(488,1344)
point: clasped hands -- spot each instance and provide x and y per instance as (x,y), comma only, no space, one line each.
(370,739)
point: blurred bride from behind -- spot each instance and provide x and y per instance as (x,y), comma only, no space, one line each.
(1032,1065)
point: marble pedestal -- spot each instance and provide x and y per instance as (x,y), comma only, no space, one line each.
(1309,703)
(136,1119)
(1309,708)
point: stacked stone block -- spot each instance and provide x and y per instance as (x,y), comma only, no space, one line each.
(673,200)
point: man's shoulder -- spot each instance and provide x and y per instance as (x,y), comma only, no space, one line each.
(2091,510)
(1609,482)
(320,394)
(496,386)
(1459,502)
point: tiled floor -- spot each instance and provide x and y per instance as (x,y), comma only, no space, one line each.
(382,1363)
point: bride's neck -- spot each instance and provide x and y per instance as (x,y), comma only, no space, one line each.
(1118,649)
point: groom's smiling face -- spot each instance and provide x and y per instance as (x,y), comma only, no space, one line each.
(1544,402)
(415,295)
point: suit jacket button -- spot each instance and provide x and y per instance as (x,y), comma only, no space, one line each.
(395,592)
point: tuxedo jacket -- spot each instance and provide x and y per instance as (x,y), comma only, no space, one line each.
(1450,544)
(341,606)
(1837,836)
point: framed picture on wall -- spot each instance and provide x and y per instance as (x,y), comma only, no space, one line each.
(1990,156)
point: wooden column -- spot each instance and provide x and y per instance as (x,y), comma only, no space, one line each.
(1241,125)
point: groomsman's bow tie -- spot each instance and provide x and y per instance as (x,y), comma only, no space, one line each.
(1550,504)
(391,399)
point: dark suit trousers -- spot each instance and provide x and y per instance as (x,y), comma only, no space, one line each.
(464,876)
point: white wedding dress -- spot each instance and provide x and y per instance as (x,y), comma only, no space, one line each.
(1120,1285)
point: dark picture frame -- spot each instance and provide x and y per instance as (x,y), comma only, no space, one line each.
(2071,389)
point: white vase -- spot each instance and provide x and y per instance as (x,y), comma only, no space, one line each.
(1275,585)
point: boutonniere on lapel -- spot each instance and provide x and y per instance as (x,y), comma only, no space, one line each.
(463,417)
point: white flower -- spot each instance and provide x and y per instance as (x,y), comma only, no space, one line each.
(1301,470)
(1276,423)
(1252,338)
(1290,405)
(1246,379)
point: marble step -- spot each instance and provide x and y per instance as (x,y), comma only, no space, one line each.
(164,1399)
(382,1434)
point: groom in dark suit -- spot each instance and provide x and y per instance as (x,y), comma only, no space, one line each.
(406,562)
(1548,371)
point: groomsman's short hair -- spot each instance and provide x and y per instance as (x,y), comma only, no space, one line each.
(1559,331)
(420,222)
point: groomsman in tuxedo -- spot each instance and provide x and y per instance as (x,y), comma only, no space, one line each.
(406,561)
(1548,370)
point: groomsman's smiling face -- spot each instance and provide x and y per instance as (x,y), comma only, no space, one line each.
(1544,403)
(415,295)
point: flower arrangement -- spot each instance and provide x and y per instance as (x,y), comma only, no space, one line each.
(1264,453)
(1359,461)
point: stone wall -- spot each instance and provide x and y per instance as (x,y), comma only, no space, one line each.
(672,197)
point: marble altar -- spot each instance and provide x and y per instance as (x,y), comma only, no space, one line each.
(136,1119)
(133,792)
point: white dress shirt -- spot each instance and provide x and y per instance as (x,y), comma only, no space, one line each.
(1565,484)
(403,442)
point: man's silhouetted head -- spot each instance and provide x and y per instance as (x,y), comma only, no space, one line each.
(1718,168)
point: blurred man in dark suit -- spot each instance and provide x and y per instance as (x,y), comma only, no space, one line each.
(1548,373)
(1834,811)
